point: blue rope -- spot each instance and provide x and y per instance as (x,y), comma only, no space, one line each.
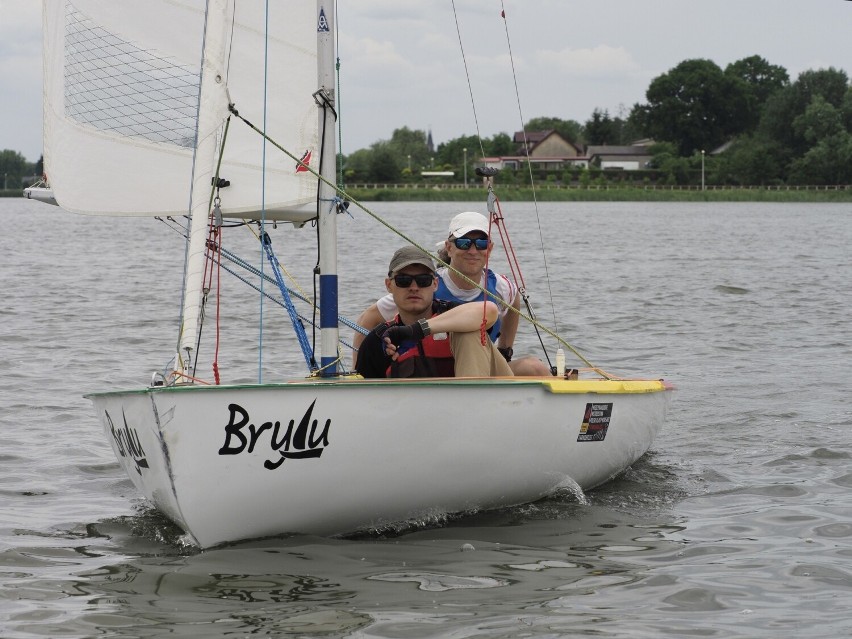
(251,269)
(298,327)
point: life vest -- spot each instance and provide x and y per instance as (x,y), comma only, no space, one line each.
(428,358)
(443,293)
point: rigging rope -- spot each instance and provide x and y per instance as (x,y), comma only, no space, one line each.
(495,214)
(343,194)
(529,166)
(301,335)
(467,75)
(213,251)
(296,293)
(339,119)
(214,189)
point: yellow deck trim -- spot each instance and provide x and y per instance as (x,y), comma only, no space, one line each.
(611,386)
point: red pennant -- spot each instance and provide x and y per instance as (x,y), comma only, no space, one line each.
(302,165)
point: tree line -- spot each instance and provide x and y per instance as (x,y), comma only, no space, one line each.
(14,169)
(746,124)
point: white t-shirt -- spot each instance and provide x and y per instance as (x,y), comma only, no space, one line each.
(505,289)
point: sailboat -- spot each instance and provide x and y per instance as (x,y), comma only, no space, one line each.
(141,104)
(40,191)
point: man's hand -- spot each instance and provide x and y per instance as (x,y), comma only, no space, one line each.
(396,335)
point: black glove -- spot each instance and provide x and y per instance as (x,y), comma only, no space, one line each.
(400,334)
(506,353)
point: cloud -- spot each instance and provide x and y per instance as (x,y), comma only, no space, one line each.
(600,61)
(375,55)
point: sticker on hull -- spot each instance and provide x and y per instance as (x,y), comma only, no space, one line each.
(595,422)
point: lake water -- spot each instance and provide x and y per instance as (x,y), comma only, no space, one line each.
(738,523)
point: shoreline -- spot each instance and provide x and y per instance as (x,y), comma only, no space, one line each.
(508,193)
(514,194)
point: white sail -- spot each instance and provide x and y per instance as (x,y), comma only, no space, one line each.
(121,104)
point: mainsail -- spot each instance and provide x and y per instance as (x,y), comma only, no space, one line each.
(121,106)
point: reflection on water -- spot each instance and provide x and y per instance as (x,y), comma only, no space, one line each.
(313,585)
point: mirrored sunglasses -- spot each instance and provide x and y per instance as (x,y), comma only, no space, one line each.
(463,243)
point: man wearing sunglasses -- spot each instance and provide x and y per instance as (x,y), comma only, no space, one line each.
(466,249)
(428,337)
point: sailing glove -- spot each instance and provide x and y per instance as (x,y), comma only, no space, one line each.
(400,334)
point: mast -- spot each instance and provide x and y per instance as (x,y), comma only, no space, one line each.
(327,208)
(210,116)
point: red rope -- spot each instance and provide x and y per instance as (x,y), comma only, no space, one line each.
(496,219)
(214,254)
(482,336)
(218,305)
(514,266)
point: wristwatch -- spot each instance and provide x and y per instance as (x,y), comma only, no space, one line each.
(424,326)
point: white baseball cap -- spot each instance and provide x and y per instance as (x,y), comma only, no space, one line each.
(464,223)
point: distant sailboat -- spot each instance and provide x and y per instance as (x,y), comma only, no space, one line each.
(40,191)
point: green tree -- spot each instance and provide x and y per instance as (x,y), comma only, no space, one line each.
(452,152)
(752,160)
(631,124)
(761,81)
(783,107)
(829,158)
(356,166)
(695,106)
(571,130)
(409,148)
(383,163)
(827,162)
(500,144)
(820,120)
(846,110)
(601,129)
(673,168)
(13,166)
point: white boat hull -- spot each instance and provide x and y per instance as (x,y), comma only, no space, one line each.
(40,193)
(229,463)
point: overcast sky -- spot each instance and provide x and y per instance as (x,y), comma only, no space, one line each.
(401,64)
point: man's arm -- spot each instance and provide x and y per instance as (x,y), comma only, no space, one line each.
(373,361)
(464,318)
(370,318)
(509,325)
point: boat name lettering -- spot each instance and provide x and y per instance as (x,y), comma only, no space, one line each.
(595,422)
(297,442)
(127,442)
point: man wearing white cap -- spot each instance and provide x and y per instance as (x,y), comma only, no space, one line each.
(467,247)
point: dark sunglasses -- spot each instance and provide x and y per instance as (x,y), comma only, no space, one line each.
(422,279)
(464,243)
